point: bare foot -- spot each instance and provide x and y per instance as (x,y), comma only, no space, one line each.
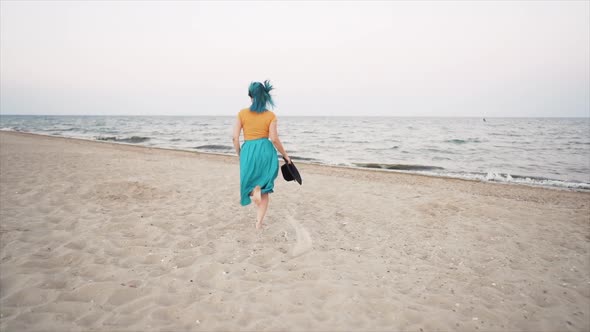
(259,224)
(256,195)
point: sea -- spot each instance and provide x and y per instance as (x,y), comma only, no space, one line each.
(547,152)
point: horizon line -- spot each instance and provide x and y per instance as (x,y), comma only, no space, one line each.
(313,116)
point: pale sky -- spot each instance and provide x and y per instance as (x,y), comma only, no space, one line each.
(482,59)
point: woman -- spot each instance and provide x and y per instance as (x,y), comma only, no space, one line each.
(259,165)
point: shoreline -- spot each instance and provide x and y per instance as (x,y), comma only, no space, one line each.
(315,164)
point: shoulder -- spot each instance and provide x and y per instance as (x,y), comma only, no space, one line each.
(271,115)
(243,113)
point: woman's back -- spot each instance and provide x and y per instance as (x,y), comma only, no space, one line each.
(256,125)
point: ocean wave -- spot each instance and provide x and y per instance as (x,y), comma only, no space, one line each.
(486,177)
(213,147)
(132,139)
(447,151)
(65,129)
(505,134)
(399,167)
(10,129)
(463,141)
(50,129)
(534,180)
(395,147)
(512,179)
(440,158)
(505,178)
(302,158)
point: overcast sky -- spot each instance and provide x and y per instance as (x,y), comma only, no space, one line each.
(421,58)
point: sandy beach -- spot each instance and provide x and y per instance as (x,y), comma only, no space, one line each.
(98,236)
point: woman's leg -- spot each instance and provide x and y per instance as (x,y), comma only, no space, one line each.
(256,196)
(262,207)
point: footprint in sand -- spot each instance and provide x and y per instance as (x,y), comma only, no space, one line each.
(303,243)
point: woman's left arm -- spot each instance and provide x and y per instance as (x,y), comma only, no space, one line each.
(236,135)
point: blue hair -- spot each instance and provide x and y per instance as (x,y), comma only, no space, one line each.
(260,94)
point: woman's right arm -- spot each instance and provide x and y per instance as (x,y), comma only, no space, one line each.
(273,135)
(236,135)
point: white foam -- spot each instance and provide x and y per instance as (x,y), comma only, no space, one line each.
(509,179)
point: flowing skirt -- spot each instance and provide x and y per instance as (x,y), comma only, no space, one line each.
(259,166)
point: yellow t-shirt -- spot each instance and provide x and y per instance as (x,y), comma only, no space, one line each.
(256,125)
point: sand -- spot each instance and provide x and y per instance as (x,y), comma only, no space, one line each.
(98,236)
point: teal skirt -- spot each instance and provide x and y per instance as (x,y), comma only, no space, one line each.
(259,166)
